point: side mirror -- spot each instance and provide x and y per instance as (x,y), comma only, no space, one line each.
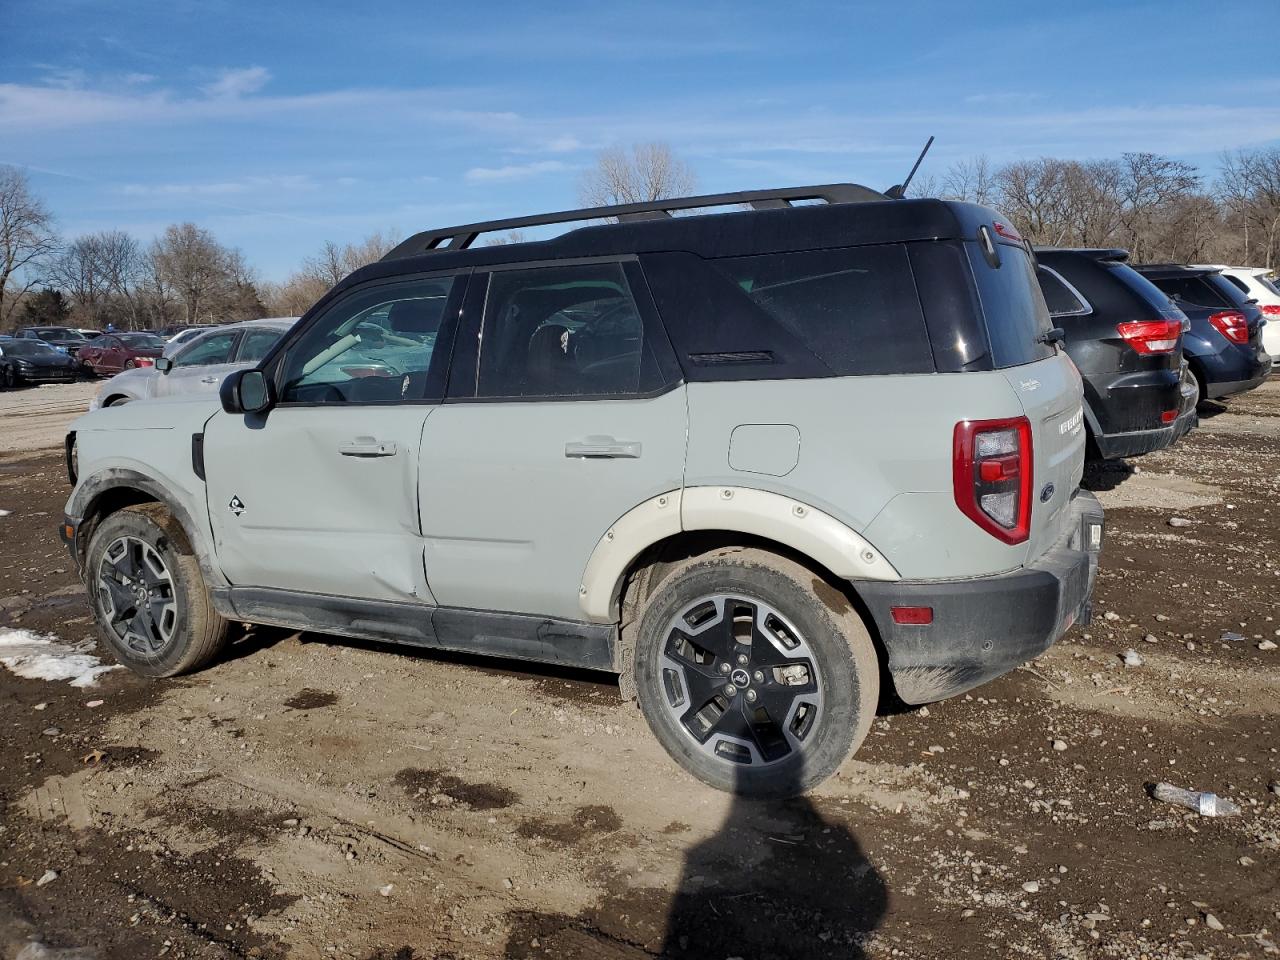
(246,391)
(164,364)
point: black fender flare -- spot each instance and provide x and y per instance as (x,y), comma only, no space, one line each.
(91,489)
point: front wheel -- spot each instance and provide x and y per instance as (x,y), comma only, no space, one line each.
(756,675)
(152,606)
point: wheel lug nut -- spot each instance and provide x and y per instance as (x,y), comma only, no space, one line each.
(724,668)
(730,690)
(742,658)
(759,676)
(751,696)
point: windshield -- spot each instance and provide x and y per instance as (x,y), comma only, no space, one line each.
(57,333)
(28,348)
(142,341)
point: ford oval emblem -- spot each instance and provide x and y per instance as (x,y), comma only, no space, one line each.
(1047,493)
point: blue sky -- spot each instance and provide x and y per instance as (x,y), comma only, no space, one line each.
(280,125)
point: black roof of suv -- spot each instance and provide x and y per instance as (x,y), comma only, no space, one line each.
(970,315)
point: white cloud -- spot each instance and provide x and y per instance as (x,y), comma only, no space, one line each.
(515,171)
(237,83)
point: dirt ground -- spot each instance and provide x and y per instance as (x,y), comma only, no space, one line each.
(309,797)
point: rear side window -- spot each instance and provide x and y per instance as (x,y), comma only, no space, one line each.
(855,308)
(563,332)
(256,344)
(1236,282)
(1059,298)
(1162,307)
(1194,291)
(1012,305)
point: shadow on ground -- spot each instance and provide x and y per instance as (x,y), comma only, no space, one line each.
(777,880)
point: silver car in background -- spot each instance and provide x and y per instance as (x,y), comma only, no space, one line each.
(198,365)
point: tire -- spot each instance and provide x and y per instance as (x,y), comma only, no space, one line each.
(179,631)
(129,364)
(117,401)
(814,629)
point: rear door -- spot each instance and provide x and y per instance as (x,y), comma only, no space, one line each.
(1044,379)
(320,494)
(564,412)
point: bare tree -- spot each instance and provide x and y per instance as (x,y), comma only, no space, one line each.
(369,250)
(27,239)
(971,180)
(646,172)
(327,266)
(511,236)
(1151,188)
(102,273)
(1250,187)
(212,282)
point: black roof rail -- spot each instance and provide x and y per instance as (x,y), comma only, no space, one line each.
(1109,254)
(461,237)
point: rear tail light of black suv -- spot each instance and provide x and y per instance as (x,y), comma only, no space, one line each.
(992,471)
(1150,337)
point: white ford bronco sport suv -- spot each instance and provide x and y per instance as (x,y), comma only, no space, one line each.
(745,460)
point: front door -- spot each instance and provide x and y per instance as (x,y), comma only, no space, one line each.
(200,366)
(320,494)
(564,412)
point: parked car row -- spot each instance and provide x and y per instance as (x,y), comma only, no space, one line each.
(195,364)
(50,354)
(1150,341)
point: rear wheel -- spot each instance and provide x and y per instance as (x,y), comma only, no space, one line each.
(130,364)
(756,675)
(117,401)
(152,606)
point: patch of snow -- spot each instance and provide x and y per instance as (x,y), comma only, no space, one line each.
(5,513)
(39,657)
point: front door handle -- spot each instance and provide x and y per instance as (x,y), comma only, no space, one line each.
(603,448)
(367,447)
(208,379)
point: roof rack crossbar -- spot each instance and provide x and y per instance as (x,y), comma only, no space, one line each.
(461,237)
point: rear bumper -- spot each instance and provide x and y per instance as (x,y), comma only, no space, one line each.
(1235,369)
(987,626)
(1137,442)
(1228,388)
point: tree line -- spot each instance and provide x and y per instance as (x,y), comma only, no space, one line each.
(1157,207)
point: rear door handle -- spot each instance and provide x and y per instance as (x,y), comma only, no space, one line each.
(208,379)
(603,448)
(367,447)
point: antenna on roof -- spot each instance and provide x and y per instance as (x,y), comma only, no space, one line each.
(900,190)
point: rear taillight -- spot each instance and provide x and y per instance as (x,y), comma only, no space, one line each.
(145,362)
(1151,336)
(991,469)
(1271,311)
(1232,324)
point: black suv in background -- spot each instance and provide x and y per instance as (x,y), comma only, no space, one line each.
(1123,335)
(1224,346)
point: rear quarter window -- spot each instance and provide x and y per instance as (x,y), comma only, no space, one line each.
(1058,297)
(1161,306)
(1194,291)
(1016,316)
(855,308)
